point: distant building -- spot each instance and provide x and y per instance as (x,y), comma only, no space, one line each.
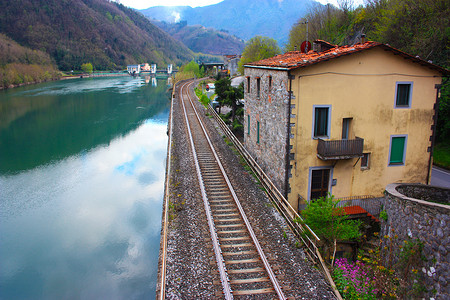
(134,69)
(145,67)
(231,63)
(343,120)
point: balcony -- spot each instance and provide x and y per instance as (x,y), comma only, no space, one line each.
(340,149)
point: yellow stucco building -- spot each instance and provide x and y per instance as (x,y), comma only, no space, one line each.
(342,120)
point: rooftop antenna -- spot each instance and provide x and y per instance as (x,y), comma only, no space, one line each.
(306,45)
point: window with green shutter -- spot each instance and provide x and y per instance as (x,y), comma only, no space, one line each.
(397,151)
(248,124)
(321,121)
(257,132)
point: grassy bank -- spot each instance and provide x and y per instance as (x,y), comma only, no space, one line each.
(441,155)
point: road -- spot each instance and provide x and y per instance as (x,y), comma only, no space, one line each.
(440,177)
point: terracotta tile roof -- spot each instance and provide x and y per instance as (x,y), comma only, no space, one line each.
(296,59)
(357,210)
(354,210)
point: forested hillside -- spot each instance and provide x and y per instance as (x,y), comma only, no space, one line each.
(20,65)
(106,34)
(203,40)
(416,27)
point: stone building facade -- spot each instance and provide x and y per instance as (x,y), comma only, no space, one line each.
(266,108)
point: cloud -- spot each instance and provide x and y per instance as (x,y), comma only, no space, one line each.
(176,16)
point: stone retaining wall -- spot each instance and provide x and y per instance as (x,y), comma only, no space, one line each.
(409,219)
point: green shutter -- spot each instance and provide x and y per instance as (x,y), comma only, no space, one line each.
(321,121)
(397,150)
(257,132)
(248,124)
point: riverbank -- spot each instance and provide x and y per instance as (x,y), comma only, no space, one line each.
(191,268)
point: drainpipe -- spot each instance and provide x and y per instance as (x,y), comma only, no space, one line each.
(433,128)
(288,143)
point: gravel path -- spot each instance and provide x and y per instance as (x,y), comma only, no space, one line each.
(191,266)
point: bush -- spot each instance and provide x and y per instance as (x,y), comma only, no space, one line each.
(87,68)
(329,222)
(204,100)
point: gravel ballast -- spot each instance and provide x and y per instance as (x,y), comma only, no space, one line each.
(191,269)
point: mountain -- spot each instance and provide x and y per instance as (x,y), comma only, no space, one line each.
(242,18)
(73,32)
(201,39)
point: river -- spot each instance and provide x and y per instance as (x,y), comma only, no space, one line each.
(82,166)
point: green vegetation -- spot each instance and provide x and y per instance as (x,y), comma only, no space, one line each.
(258,48)
(87,68)
(329,222)
(21,65)
(203,98)
(408,25)
(441,152)
(189,70)
(104,33)
(371,278)
(441,155)
(229,95)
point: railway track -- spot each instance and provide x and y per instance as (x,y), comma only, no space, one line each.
(243,268)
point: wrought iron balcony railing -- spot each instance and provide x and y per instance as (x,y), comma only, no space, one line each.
(340,149)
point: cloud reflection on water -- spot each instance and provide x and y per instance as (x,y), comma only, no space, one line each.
(87,226)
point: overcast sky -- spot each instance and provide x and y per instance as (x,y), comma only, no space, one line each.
(141,4)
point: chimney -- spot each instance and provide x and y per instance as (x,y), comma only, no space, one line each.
(363,38)
(316,47)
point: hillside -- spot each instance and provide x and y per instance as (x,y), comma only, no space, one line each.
(19,65)
(203,40)
(107,34)
(242,18)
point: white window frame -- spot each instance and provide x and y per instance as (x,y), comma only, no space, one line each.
(314,122)
(410,94)
(404,150)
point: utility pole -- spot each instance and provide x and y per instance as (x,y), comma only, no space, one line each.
(306,22)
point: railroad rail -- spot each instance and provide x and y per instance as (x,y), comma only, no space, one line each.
(243,267)
(298,226)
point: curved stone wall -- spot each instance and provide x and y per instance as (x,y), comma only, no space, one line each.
(410,218)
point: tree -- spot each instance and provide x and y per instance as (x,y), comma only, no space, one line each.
(229,95)
(329,222)
(194,68)
(258,48)
(222,86)
(443,125)
(87,68)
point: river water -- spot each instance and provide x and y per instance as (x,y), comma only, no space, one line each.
(82,166)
